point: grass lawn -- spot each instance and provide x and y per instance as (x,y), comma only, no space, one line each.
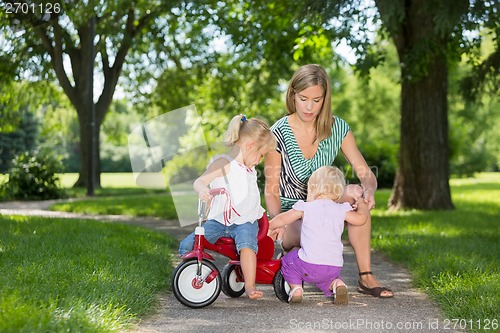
(124,197)
(153,204)
(108,180)
(61,275)
(119,195)
(453,255)
(113,184)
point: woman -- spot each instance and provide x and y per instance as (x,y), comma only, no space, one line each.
(308,138)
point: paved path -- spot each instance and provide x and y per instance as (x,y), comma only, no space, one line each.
(409,311)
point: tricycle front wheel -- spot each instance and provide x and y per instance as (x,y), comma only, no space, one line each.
(193,291)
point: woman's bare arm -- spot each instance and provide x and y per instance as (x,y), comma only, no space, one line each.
(272,170)
(361,168)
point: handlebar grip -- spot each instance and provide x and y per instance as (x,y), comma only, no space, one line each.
(217,191)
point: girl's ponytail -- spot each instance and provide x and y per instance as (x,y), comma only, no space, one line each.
(255,129)
(233,131)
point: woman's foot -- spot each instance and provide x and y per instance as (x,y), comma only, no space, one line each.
(339,292)
(253,293)
(368,284)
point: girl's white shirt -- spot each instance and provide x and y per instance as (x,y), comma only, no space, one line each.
(241,183)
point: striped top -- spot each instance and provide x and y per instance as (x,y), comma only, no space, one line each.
(295,168)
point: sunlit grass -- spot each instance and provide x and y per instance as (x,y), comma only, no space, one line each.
(453,255)
(119,195)
(77,275)
(123,183)
(159,205)
(108,180)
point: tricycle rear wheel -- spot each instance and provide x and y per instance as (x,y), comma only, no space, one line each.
(281,287)
(230,285)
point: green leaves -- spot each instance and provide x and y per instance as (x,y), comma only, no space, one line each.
(33,176)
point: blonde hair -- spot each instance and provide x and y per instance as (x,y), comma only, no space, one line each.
(305,77)
(327,181)
(254,129)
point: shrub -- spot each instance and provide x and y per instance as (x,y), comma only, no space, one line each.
(381,158)
(32,176)
(23,137)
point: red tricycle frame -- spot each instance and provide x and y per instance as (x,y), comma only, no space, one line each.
(197,282)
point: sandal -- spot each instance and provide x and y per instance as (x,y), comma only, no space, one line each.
(340,293)
(295,299)
(281,250)
(375,292)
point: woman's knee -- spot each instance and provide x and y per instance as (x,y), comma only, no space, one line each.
(291,236)
(366,227)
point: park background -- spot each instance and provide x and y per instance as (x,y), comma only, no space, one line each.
(417,82)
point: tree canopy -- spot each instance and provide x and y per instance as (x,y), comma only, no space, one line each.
(428,36)
(110,36)
(237,56)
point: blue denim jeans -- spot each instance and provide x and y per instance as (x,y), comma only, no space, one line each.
(244,235)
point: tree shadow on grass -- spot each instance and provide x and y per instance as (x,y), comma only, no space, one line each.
(79,275)
(454,255)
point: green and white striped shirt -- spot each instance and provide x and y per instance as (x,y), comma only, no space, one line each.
(295,168)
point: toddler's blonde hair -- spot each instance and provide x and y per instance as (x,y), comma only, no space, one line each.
(254,129)
(327,181)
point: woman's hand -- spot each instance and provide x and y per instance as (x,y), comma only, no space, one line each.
(369,197)
(362,170)
(354,192)
(351,194)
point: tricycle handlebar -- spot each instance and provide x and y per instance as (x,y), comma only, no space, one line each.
(217,191)
(204,206)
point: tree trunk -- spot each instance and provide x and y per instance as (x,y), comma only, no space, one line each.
(84,125)
(57,42)
(422,180)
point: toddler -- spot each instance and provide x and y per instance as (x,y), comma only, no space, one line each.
(319,259)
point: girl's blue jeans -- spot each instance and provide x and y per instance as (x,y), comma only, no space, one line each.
(244,235)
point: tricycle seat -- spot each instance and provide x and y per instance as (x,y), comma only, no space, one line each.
(225,240)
